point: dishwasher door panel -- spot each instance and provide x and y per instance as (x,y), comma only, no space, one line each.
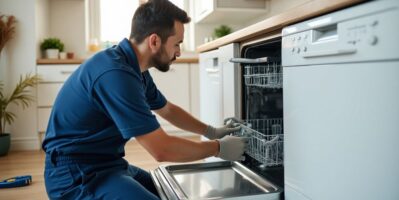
(341,130)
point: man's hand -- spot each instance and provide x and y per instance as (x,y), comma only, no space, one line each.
(217,133)
(232,148)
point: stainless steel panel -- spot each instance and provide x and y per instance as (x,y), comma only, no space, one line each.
(217,180)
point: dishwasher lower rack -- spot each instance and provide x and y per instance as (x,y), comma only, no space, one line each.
(212,180)
(266,140)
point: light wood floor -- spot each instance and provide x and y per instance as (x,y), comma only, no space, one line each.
(32,163)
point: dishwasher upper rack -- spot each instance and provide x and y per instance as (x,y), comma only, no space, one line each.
(266,140)
(268,75)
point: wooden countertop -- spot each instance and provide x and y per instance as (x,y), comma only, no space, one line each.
(79,61)
(59,61)
(303,12)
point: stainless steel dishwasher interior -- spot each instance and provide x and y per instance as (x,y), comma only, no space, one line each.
(215,180)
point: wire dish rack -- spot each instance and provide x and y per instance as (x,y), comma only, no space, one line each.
(265,75)
(266,140)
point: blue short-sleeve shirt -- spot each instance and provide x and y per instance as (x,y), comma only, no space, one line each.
(106,101)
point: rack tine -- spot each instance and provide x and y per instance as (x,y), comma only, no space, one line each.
(266,75)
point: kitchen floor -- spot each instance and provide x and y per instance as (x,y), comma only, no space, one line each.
(32,163)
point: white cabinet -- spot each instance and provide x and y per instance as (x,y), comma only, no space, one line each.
(228,11)
(220,84)
(47,92)
(177,86)
(53,77)
(211,107)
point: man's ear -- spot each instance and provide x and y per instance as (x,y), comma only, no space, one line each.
(154,43)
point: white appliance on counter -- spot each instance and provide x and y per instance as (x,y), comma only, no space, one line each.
(341,104)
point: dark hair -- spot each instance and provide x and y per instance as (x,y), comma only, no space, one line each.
(156,16)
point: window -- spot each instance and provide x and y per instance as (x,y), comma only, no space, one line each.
(116,18)
(110,20)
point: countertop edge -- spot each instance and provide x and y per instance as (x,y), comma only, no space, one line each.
(302,12)
(58,61)
(80,61)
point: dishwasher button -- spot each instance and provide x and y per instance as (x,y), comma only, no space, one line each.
(293,50)
(305,49)
(373,40)
(374,23)
(298,50)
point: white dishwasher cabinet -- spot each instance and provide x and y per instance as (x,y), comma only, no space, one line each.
(53,77)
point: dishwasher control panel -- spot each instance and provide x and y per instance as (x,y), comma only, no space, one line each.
(337,38)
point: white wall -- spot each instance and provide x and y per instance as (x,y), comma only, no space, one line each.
(42,23)
(20,58)
(68,22)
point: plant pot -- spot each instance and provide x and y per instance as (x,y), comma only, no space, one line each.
(4,144)
(51,53)
(63,55)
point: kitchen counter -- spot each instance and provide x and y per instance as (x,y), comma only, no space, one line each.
(305,11)
(58,61)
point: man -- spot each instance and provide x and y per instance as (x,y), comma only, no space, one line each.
(108,100)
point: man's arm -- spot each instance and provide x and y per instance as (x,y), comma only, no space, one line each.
(164,147)
(182,119)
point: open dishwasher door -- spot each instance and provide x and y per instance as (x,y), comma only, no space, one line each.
(212,180)
(228,180)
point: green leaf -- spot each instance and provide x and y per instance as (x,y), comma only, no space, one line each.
(1,89)
(9,117)
(221,31)
(20,96)
(52,43)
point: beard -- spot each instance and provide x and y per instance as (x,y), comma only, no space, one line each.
(161,60)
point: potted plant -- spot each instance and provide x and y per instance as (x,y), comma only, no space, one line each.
(51,47)
(20,95)
(221,31)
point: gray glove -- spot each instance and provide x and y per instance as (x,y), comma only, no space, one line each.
(232,148)
(216,133)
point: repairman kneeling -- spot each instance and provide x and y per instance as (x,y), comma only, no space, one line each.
(109,99)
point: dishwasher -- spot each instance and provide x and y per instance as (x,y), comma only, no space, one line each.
(341,104)
(309,99)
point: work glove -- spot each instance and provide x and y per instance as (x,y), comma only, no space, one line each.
(232,148)
(217,133)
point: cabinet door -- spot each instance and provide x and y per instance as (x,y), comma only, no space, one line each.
(210,89)
(174,85)
(55,73)
(46,93)
(53,77)
(228,11)
(203,8)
